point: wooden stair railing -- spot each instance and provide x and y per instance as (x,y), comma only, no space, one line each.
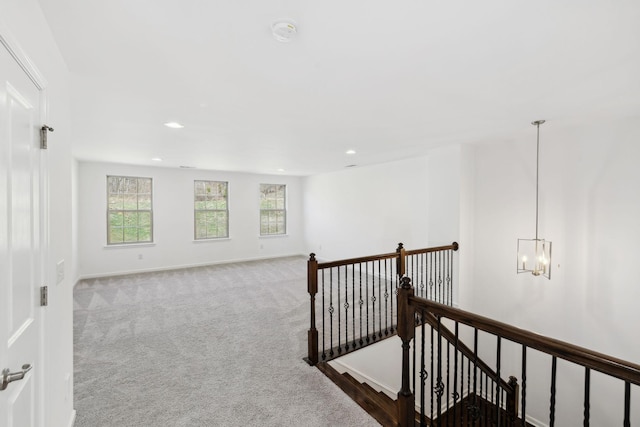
(357,304)
(514,404)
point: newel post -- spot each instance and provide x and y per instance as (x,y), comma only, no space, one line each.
(402,255)
(312,288)
(406,332)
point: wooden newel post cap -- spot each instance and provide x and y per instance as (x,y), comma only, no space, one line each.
(400,246)
(455,246)
(405,283)
(312,256)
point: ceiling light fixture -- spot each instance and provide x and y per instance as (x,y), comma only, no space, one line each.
(174,125)
(351,151)
(280,170)
(284,31)
(534,255)
(156,159)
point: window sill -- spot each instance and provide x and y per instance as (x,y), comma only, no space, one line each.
(219,239)
(130,245)
(272,236)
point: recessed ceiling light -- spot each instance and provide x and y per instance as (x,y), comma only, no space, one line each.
(351,151)
(174,125)
(280,170)
(187,167)
(156,159)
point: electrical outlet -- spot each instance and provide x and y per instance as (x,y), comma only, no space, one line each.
(59,272)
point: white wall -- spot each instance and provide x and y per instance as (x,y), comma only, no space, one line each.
(590,210)
(366,210)
(174,245)
(26,23)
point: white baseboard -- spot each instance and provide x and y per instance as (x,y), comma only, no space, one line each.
(72,420)
(178,267)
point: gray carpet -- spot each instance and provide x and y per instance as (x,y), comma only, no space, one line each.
(208,346)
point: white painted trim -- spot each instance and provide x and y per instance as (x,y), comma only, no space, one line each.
(72,420)
(536,422)
(129,245)
(178,267)
(15,50)
(342,367)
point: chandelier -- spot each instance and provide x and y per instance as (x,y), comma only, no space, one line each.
(534,255)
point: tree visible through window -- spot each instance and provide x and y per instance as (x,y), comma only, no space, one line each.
(211,210)
(273,209)
(129,206)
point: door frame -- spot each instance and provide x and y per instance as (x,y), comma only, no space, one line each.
(11,44)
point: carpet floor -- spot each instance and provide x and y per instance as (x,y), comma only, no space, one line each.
(209,346)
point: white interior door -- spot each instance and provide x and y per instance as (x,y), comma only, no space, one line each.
(20,244)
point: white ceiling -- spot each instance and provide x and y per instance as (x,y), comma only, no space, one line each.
(390,79)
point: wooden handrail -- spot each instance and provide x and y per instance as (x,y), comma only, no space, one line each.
(329,264)
(359,260)
(454,247)
(608,365)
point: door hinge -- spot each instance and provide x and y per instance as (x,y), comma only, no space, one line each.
(44,296)
(43,136)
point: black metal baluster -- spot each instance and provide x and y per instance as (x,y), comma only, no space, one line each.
(324,352)
(523,386)
(422,268)
(366,291)
(552,408)
(450,278)
(462,386)
(627,404)
(360,301)
(386,300)
(423,372)
(432,376)
(587,389)
(476,402)
(339,316)
(346,307)
(394,289)
(373,300)
(498,394)
(380,303)
(448,374)
(440,300)
(469,385)
(439,385)
(455,371)
(431,276)
(447,294)
(331,312)
(353,304)
(484,418)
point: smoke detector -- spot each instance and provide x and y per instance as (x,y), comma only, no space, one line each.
(284,31)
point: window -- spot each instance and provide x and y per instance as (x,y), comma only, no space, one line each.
(211,210)
(273,209)
(130,215)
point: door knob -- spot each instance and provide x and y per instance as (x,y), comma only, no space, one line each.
(8,376)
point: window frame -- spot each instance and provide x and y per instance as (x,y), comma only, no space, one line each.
(276,210)
(195,211)
(124,211)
